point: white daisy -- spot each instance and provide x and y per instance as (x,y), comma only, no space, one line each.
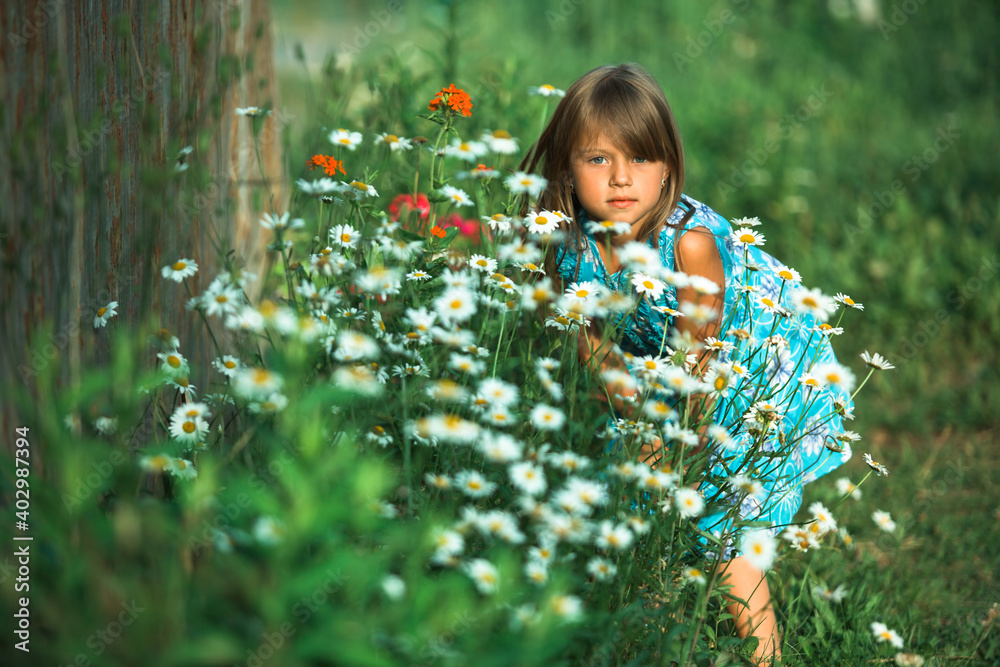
(188,425)
(497,222)
(182,469)
(846,487)
(473,484)
(694,575)
(824,521)
(345,236)
(746,222)
(813,302)
(877,361)
(456,196)
(345,139)
(645,284)
(527,478)
(547,418)
(546,90)
(521,182)
(357,190)
(884,521)
(179,270)
(835,374)
(500,141)
(536,572)
(455,304)
(611,536)
(252,112)
(542,222)
(689,502)
(282,222)
(470,151)
(395,143)
(607,227)
(173,363)
(884,634)
(840,297)
(498,392)
(567,607)
(483,574)
(483,264)
(104,314)
(602,569)
(759,548)
(745,236)
(789,274)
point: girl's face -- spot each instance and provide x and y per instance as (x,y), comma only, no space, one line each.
(612,185)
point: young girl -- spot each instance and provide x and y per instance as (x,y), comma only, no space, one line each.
(612,152)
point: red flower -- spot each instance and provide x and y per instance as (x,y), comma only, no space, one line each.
(465,227)
(457,100)
(330,164)
(437,231)
(403,203)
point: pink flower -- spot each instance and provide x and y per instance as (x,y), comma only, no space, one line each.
(468,228)
(403,204)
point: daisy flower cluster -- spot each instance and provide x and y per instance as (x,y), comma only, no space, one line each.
(458,367)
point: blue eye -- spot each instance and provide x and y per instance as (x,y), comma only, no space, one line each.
(599,157)
(640,159)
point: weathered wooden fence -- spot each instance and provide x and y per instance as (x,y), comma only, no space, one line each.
(98,97)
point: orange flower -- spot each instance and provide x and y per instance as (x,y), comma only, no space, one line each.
(437,231)
(456,98)
(330,164)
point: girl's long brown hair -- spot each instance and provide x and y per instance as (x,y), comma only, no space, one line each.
(626,104)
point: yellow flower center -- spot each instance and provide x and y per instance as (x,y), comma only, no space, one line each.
(809,301)
(100,313)
(346,238)
(650,364)
(501,134)
(182,382)
(475,485)
(482,262)
(172,360)
(758,549)
(720,383)
(229,364)
(582,293)
(358,185)
(179,266)
(786,275)
(391,139)
(268,405)
(526,181)
(189,427)
(648,284)
(767,302)
(222,298)
(547,87)
(455,304)
(746,238)
(849,301)
(530,266)
(159,462)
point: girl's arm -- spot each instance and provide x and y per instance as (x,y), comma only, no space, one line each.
(697,254)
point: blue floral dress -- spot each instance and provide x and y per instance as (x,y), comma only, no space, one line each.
(811,417)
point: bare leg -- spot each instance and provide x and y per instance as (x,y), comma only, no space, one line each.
(757,618)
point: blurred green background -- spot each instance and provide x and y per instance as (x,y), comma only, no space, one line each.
(862,132)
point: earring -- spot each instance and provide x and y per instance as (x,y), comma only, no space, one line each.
(663,183)
(571,186)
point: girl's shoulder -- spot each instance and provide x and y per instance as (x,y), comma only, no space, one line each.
(698,214)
